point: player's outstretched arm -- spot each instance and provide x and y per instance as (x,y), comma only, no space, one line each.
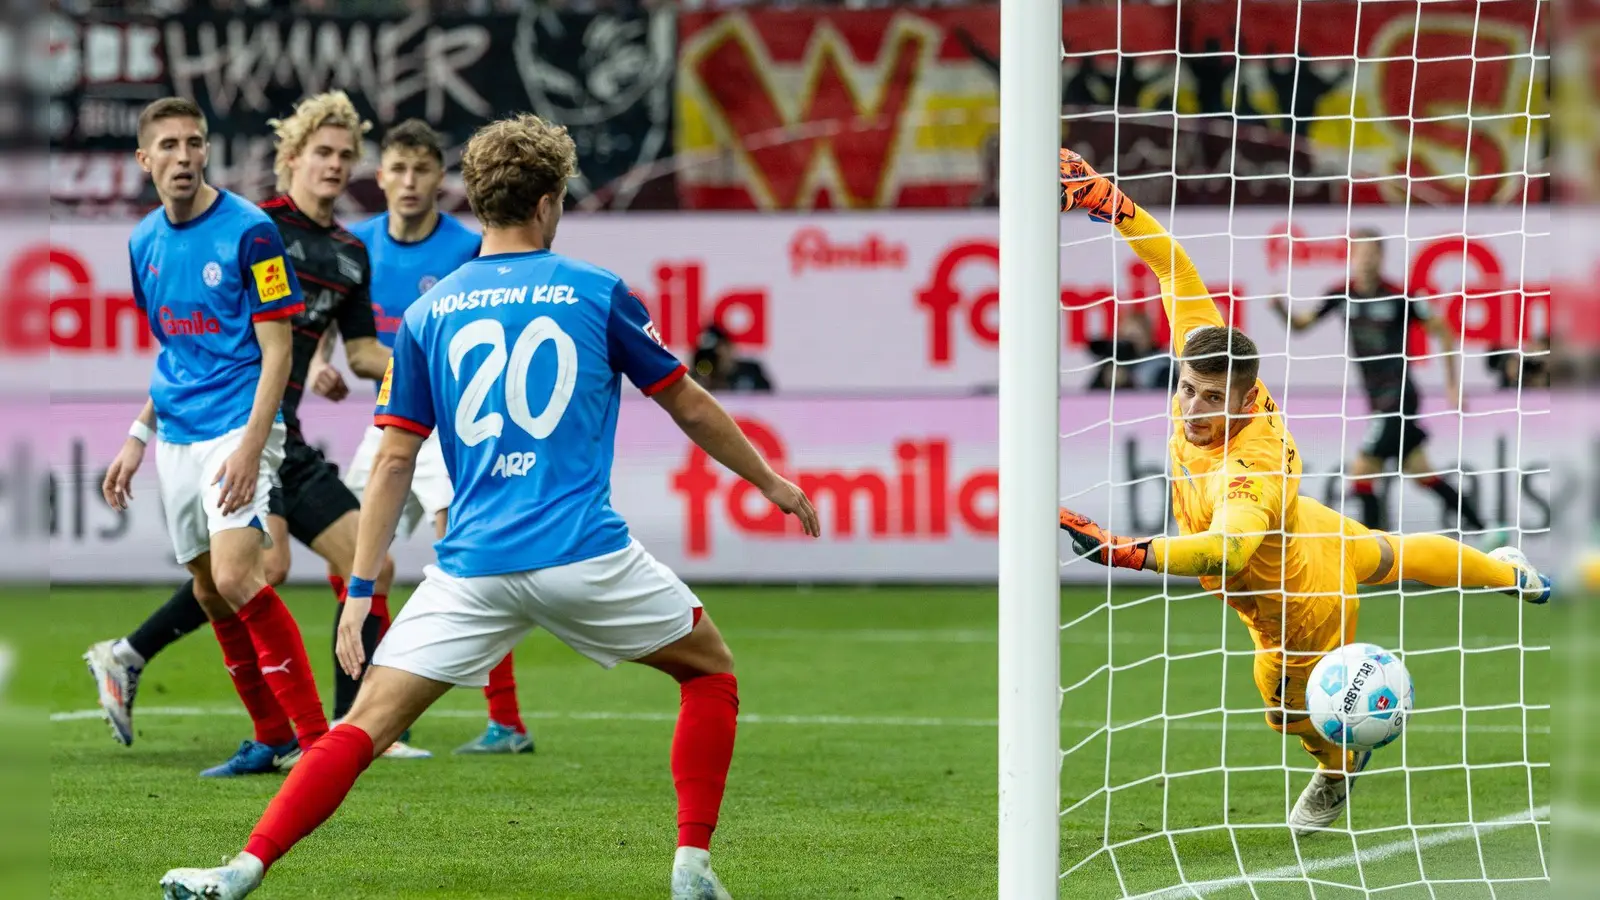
(706,423)
(1184,295)
(1224,550)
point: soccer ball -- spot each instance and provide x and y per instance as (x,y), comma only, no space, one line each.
(1359,696)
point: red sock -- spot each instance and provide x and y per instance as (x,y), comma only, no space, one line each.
(502,696)
(239,655)
(284,663)
(337,583)
(380,608)
(702,750)
(315,787)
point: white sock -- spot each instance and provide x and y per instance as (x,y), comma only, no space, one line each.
(249,863)
(692,856)
(123,652)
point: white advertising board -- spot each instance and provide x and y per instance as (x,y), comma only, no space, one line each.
(906,487)
(901,303)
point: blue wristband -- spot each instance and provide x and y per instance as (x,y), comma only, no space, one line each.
(360,587)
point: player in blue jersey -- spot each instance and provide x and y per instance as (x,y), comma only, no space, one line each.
(517,360)
(209,273)
(412,246)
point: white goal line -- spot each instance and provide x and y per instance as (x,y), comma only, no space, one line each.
(1364,857)
(76,715)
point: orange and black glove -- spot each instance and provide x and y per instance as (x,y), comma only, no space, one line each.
(1085,189)
(1092,542)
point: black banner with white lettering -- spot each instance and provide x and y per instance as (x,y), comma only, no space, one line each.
(606,77)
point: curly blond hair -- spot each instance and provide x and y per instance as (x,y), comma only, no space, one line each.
(313,112)
(509,164)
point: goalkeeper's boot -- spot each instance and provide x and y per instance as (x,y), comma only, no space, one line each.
(1532,585)
(1324,799)
(230,882)
(498,738)
(1084,188)
(692,878)
(117,683)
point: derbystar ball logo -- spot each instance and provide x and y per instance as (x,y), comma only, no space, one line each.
(196,323)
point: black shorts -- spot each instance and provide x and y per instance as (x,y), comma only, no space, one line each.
(1392,436)
(313,496)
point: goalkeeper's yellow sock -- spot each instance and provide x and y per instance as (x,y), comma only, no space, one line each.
(1439,561)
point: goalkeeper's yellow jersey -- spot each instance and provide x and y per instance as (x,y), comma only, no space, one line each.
(1296,589)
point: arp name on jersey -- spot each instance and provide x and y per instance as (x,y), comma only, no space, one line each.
(514,465)
(544,293)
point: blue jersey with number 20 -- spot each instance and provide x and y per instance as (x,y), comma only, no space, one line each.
(517,359)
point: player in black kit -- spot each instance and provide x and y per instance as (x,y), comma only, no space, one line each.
(1379,314)
(318,147)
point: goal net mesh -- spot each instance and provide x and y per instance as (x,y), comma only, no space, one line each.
(1264,136)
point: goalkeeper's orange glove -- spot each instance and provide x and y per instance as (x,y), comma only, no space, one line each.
(1094,543)
(1084,188)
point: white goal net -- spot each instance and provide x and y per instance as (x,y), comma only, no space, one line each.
(1270,139)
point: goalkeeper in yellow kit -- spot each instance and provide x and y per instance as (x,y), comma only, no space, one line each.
(1290,566)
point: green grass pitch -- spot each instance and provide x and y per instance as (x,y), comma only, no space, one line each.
(865,765)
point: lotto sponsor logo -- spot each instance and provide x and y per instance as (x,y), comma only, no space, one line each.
(195,324)
(272,279)
(920,498)
(388,383)
(488,297)
(811,248)
(1243,487)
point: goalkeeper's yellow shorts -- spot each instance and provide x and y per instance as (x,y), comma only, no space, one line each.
(1281,674)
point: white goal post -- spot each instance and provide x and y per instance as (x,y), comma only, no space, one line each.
(1030,354)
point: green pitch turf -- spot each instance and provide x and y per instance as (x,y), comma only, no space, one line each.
(865,764)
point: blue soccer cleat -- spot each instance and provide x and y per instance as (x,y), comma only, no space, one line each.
(256,758)
(498,738)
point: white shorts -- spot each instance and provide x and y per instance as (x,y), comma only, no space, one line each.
(431,490)
(616,607)
(190,496)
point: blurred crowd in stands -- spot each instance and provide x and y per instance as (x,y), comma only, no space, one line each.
(470,7)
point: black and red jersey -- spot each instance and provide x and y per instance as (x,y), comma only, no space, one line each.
(335,276)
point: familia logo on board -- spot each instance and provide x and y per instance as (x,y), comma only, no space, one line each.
(920,499)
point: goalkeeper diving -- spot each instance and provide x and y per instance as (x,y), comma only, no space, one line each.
(1290,566)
